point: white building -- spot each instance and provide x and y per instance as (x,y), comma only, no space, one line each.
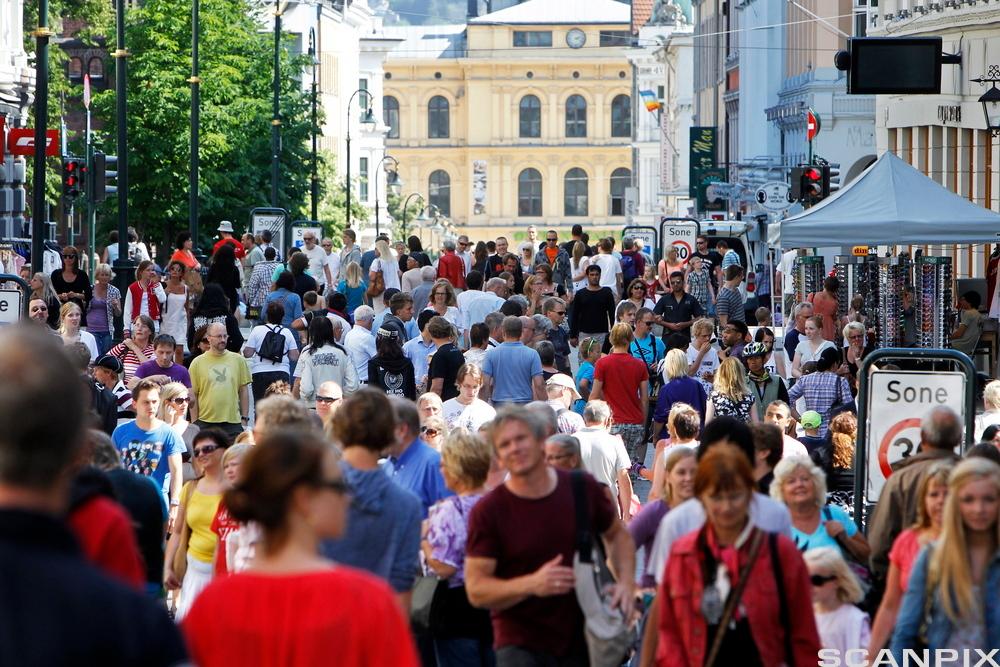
(676,119)
(17,87)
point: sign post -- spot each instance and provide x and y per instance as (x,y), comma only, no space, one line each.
(680,234)
(300,227)
(275,220)
(774,196)
(892,405)
(13,302)
(648,236)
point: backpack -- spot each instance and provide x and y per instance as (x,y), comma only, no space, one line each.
(629,272)
(272,348)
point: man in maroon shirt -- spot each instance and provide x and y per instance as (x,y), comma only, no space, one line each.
(451,267)
(520,546)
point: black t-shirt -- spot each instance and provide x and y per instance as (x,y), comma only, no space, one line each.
(145,505)
(674,311)
(445,364)
(304,283)
(394,377)
(711,260)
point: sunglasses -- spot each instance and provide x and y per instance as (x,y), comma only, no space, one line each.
(69,256)
(328,399)
(204,451)
(336,485)
(551,240)
(432,432)
(559,312)
(819,580)
(180,399)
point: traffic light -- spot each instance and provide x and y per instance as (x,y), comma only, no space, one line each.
(74,178)
(102,175)
(832,178)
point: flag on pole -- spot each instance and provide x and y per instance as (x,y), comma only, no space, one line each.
(649,97)
(86,91)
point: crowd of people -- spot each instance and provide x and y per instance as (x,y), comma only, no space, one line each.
(554,454)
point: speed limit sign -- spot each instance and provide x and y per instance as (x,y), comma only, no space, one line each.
(897,403)
(681,237)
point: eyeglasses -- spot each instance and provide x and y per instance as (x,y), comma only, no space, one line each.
(204,451)
(432,432)
(640,287)
(308,238)
(328,399)
(557,457)
(552,240)
(464,245)
(69,256)
(336,485)
(180,399)
(819,580)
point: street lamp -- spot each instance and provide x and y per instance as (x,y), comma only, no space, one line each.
(279,8)
(420,216)
(195,82)
(313,129)
(991,99)
(367,119)
(392,181)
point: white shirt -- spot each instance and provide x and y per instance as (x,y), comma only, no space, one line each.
(317,260)
(603,455)
(360,346)
(475,306)
(787,267)
(467,258)
(390,272)
(765,513)
(259,365)
(345,326)
(469,417)
(793,447)
(610,268)
(333,261)
(453,316)
(709,363)
(88,339)
(984,421)
(475,356)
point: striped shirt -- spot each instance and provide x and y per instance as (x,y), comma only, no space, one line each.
(130,361)
(730,303)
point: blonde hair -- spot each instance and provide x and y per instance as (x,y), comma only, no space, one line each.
(529,282)
(674,456)
(671,255)
(730,380)
(621,335)
(244,438)
(789,464)
(103,268)
(237,449)
(386,254)
(168,393)
(450,299)
(675,364)
(843,433)
(579,250)
(704,325)
(587,346)
(279,410)
(949,568)
(991,395)
(431,397)
(466,457)
(65,310)
(936,473)
(353,276)
(468,371)
(438,423)
(831,560)
(48,292)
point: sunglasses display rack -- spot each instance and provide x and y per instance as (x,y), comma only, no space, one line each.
(932,298)
(809,274)
(850,271)
(885,279)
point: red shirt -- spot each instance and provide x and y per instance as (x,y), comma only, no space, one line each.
(521,535)
(104,530)
(222,525)
(452,268)
(826,305)
(620,375)
(338,616)
(237,246)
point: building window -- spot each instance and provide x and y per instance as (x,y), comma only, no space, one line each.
(390,116)
(576,116)
(363,100)
(532,38)
(75,70)
(621,116)
(616,38)
(437,118)
(621,178)
(530,110)
(363,179)
(575,192)
(95,68)
(439,191)
(529,193)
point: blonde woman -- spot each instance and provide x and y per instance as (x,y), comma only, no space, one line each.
(931,495)
(70,315)
(443,302)
(353,286)
(174,401)
(676,486)
(960,570)
(104,306)
(683,430)
(579,263)
(678,387)
(835,591)
(433,431)
(41,288)
(668,265)
(385,263)
(729,396)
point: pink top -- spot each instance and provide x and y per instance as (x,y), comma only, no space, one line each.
(904,554)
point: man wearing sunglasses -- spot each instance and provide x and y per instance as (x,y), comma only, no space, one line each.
(329,396)
(556,257)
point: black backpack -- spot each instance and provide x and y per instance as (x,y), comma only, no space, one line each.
(272,348)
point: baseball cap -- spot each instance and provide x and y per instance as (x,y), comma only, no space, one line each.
(565,381)
(810,419)
(109,362)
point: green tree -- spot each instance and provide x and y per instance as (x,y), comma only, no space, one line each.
(395,207)
(333,203)
(236,62)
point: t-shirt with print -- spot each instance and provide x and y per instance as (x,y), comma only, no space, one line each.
(620,375)
(445,364)
(521,535)
(146,452)
(260,365)
(216,380)
(470,417)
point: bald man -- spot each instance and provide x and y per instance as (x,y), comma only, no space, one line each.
(329,396)
(220,382)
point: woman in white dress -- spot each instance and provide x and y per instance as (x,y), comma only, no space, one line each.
(579,263)
(466,410)
(176,308)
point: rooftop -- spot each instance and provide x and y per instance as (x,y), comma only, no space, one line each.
(428,41)
(551,12)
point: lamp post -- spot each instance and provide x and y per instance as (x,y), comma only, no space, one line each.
(279,8)
(394,184)
(38,210)
(406,203)
(123,266)
(195,82)
(367,118)
(991,99)
(313,129)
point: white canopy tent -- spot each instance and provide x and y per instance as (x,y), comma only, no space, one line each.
(890,203)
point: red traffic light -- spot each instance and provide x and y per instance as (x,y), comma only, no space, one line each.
(812,174)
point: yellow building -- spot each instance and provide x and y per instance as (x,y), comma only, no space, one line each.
(521,116)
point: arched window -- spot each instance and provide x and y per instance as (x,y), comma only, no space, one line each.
(437,118)
(390,116)
(529,193)
(576,116)
(75,69)
(530,110)
(575,192)
(621,116)
(96,68)
(439,191)
(621,178)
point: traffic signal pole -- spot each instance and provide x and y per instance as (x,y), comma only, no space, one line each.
(38,211)
(123,267)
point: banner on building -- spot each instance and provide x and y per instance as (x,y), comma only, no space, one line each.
(666,155)
(479,187)
(702,147)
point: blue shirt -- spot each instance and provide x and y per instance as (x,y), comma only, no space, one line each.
(584,372)
(144,452)
(418,470)
(821,538)
(520,365)
(648,350)
(416,350)
(290,300)
(682,389)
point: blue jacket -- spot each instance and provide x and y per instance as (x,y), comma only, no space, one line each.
(939,629)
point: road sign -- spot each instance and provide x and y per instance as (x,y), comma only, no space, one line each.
(897,402)
(21,141)
(299,231)
(679,235)
(273,220)
(813,124)
(774,196)
(11,306)
(647,234)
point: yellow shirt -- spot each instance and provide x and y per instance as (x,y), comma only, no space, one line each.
(198,514)
(216,381)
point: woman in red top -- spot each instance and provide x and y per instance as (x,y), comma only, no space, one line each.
(224,525)
(293,607)
(706,566)
(623,381)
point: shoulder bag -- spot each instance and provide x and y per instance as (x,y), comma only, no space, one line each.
(734,598)
(859,569)
(180,556)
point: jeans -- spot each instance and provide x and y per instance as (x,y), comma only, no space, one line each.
(463,652)
(103,339)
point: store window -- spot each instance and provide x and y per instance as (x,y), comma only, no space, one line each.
(576,116)
(439,191)
(530,116)
(75,70)
(390,116)
(437,118)
(575,192)
(529,193)
(363,179)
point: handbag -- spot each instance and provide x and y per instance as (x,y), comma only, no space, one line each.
(180,556)
(734,598)
(608,633)
(376,286)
